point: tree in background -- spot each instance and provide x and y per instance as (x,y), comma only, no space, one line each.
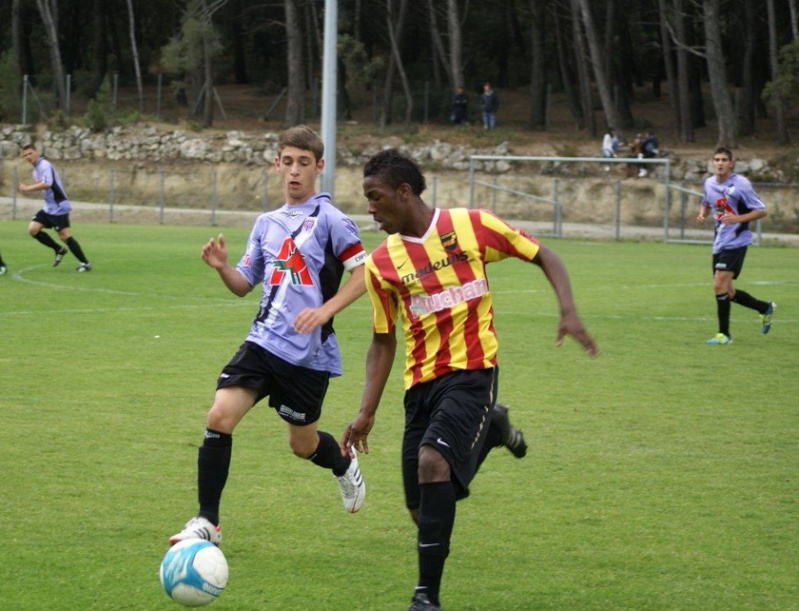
(192,50)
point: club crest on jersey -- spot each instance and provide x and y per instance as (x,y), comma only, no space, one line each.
(449,241)
(290,261)
(308,224)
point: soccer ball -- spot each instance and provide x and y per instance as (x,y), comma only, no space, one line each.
(194,572)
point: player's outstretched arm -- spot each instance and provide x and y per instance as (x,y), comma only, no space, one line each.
(310,318)
(570,323)
(379,360)
(215,254)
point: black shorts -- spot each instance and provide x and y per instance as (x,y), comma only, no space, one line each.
(296,393)
(52,221)
(451,414)
(731,260)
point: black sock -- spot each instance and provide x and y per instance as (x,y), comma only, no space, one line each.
(45,239)
(328,455)
(723,308)
(745,299)
(213,465)
(436,519)
(76,250)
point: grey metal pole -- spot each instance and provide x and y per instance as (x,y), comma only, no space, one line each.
(618,210)
(15,182)
(558,211)
(471,183)
(111,195)
(435,190)
(266,191)
(25,99)
(667,194)
(161,196)
(213,197)
(158,96)
(329,96)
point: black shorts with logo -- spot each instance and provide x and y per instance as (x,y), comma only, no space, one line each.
(730,260)
(52,221)
(295,392)
(451,414)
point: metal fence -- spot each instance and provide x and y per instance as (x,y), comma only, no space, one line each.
(562,197)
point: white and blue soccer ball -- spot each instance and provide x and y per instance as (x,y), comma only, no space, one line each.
(194,572)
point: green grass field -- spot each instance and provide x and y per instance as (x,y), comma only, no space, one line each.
(661,475)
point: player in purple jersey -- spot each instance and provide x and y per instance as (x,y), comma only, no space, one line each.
(55,214)
(298,253)
(734,204)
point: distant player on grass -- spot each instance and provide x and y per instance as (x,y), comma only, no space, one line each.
(734,205)
(298,253)
(430,276)
(55,214)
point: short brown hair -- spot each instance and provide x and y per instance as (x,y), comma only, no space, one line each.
(723,150)
(302,137)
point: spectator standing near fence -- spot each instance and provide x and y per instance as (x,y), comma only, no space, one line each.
(55,214)
(734,204)
(489,104)
(460,107)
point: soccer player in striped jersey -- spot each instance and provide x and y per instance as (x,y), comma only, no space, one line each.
(298,255)
(55,214)
(734,205)
(430,276)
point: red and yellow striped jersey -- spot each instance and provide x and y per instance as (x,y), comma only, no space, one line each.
(438,285)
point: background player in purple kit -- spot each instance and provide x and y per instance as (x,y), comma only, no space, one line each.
(734,205)
(299,253)
(55,214)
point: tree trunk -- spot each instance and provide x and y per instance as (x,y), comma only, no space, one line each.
(50,20)
(439,46)
(100,45)
(538,93)
(725,113)
(16,39)
(237,35)
(794,24)
(668,60)
(583,77)
(394,39)
(746,103)
(602,81)
(135,49)
(683,76)
(779,113)
(295,106)
(567,75)
(386,117)
(455,43)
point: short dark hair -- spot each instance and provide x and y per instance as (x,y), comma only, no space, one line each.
(723,150)
(301,137)
(30,146)
(395,169)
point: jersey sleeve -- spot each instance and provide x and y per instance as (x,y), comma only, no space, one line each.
(251,265)
(384,301)
(502,240)
(347,241)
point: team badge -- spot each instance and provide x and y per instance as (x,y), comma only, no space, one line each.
(450,241)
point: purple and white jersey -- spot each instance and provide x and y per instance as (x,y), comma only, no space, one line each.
(733,196)
(55,196)
(300,252)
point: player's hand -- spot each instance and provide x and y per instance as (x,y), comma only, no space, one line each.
(309,319)
(570,324)
(215,252)
(356,434)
